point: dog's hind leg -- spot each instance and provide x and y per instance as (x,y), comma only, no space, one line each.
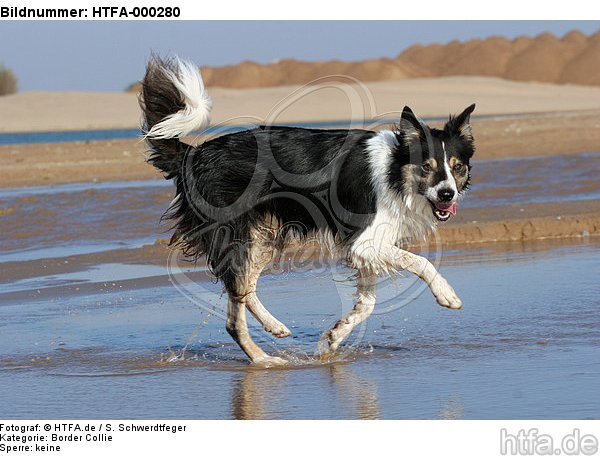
(237,327)
(259,258)
(269,322)
(331,339)
(237,281)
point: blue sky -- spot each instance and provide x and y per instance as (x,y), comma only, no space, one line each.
(108,56)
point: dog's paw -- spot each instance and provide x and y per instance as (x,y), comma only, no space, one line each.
(323,349)
(270,361)
(326,346)
(446,296)
(278,329)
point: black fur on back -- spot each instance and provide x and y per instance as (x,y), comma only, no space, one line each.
(309,180)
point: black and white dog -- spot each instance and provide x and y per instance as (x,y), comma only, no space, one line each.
(242,197)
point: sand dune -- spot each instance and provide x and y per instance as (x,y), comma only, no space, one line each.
(47,111)
(546,58)
(572,59)
(291,71)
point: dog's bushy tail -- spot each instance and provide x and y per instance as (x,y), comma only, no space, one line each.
(174,103)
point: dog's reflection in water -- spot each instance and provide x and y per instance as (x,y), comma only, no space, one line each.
(452,409)
(269,394)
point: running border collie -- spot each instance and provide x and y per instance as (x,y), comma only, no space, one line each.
(242,197)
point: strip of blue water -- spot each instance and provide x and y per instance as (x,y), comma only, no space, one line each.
(132,133)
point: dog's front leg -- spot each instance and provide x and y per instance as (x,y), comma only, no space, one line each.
(422,267)
(365,303)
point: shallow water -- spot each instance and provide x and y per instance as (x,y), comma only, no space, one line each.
(543,179)
(526,345)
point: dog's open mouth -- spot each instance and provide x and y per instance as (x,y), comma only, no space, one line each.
(443,211)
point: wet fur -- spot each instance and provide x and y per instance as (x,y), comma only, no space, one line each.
(241,197)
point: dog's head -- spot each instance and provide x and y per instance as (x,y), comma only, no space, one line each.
(435,164)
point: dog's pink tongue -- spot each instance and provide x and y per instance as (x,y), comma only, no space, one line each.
(453,207)
(448,207)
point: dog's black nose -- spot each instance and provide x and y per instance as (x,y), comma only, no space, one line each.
(445,195)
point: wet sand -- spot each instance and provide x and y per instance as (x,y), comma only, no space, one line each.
(530,205)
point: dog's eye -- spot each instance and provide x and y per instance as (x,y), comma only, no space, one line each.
(459,167)
(426,167)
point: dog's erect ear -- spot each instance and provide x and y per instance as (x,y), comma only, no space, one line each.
(460,124)
(411,127)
